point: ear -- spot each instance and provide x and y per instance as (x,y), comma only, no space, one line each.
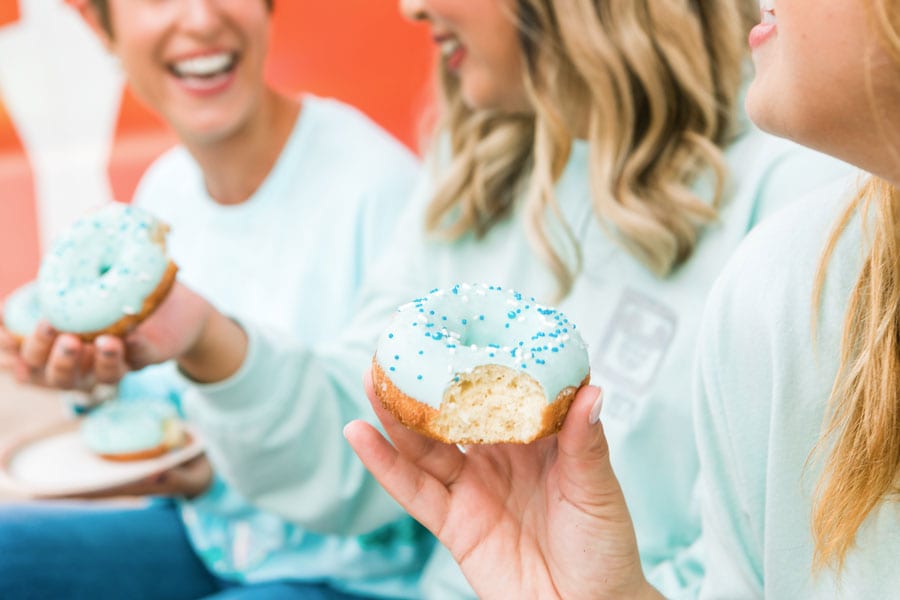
(91,17)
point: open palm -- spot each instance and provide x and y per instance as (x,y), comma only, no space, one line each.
(542,520)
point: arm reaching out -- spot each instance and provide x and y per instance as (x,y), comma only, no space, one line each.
(544,520)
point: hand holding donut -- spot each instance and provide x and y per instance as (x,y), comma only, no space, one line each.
(109,284)
(184,327)
(546,519)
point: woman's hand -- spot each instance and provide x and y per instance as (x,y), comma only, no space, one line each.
(185,327)
(542,520)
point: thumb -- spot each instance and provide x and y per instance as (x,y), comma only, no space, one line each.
(584,452)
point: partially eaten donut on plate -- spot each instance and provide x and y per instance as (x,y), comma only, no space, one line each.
(127,430)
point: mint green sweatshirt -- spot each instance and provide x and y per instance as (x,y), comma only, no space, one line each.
(291,260)
(763,386)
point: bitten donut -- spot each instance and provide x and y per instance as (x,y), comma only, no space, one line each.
(132,430)
(479,364)
(22,311)
(107,273)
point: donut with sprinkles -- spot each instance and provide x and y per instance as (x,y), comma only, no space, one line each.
(479,364)
(106,273)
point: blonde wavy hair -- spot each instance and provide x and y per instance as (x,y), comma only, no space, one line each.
(860,444)
(653,85)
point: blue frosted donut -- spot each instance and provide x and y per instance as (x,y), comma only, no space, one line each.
(106,273)
(479,364)
(132,429)
(22,311)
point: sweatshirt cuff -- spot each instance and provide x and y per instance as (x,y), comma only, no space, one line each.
(233,393)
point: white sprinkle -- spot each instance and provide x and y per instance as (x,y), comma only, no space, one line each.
(129,310)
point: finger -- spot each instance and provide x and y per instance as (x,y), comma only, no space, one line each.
(420,494)
(584,453)
(37,346)
(64,364)
(8,342)
(109,359)
(443,461)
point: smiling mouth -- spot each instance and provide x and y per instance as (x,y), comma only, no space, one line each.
(205,67)
(767,11)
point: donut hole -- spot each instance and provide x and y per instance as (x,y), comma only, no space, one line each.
(492,404)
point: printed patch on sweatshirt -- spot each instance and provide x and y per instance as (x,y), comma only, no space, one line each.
(635,343)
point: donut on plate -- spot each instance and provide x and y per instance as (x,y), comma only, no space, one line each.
(132,430)
(106,273)
(479,364)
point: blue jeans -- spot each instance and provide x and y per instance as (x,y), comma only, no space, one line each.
(87,550)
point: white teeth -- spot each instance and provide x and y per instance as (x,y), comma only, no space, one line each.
(767,5)
(204,66)
(768,18)
(449,46)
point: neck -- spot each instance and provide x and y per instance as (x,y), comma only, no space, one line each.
(235,166)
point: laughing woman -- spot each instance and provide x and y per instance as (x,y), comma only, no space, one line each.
(259,189)
(798,396)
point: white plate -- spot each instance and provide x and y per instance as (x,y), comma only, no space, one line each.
(55,463)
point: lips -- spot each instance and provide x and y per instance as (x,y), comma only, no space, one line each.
(767,27)
(452,50)
(204,66)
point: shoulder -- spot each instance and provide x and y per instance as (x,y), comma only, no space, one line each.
(340,128)
(167,178)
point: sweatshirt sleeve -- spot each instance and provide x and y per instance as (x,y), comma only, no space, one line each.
(274,429)
(725,395)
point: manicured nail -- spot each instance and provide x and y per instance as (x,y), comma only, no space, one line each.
(594,416)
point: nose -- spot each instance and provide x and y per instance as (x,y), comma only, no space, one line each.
(200,16)
(414,10)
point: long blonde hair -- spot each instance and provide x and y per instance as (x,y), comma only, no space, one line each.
(655,83)
(861,438)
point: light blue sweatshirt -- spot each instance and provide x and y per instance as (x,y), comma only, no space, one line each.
(641,330)
(763,386)
(290,259)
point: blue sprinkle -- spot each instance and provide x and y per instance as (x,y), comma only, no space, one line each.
(396,357)
(393,369)
(444,318)
(511,314)
(554,349)
(390,336)
(421,352)
(465,322)
(419,377)
(507,325)
(481,317)
(430,312)
(491,354)
(524,366)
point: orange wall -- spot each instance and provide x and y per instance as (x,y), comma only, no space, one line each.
(360,51)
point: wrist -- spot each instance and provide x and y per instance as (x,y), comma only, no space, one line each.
(217,352)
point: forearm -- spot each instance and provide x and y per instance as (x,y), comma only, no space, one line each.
(218,352)
(273,432)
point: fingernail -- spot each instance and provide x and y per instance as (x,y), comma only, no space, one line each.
(68,350)
(594,416)
(47,330)
(161,479)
